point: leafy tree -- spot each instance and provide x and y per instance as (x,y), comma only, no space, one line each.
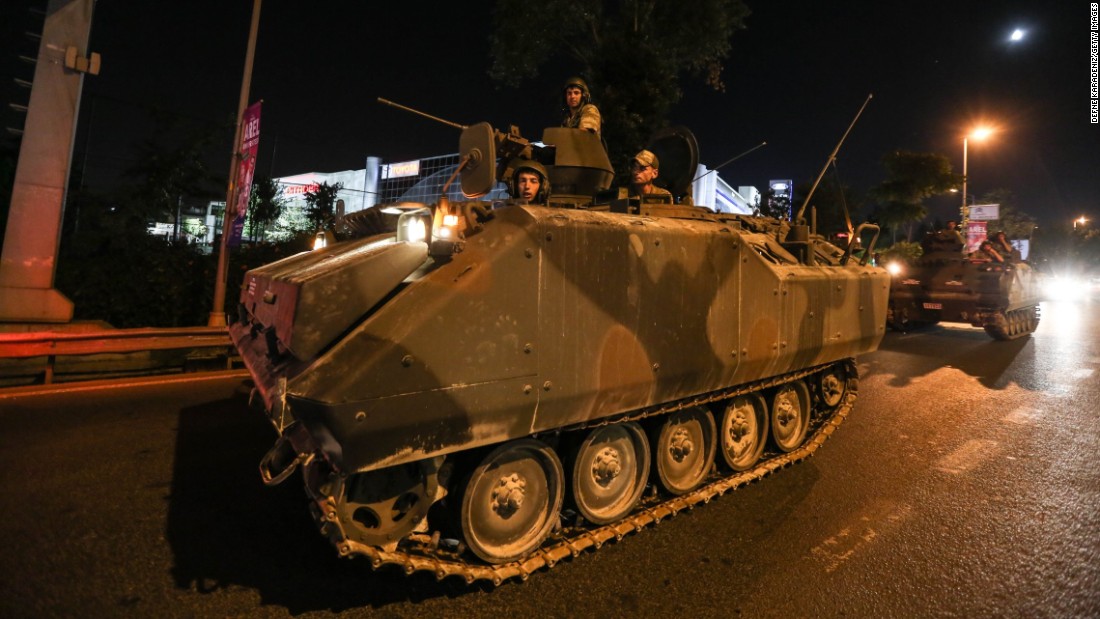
(1015,223)
(321,206)
(167,176)
(633,54)
(910,179)
(773,205)
(265,205)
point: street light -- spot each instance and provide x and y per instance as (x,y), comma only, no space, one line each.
(1080,221)
(979,134)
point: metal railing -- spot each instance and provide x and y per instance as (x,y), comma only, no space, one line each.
(39,353)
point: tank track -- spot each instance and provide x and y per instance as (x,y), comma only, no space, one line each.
(1013,324)
(426,553)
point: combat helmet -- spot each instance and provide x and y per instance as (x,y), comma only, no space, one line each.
(576,81)
(520,165)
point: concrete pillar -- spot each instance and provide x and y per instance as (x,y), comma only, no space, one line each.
(29,259)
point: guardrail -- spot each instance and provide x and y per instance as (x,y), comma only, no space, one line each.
(212,343)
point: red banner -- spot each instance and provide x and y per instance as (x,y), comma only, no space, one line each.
(975,234)
(250,142)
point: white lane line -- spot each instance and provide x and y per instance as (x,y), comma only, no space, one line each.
(835,550)
(969,455)
(1022,416)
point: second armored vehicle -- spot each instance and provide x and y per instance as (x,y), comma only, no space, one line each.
(944,284)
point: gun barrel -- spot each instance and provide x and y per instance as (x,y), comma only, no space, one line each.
(418,112)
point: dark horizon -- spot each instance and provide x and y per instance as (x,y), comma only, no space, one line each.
(795,78)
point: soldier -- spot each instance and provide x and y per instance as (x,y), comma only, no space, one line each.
(644,169)
(987,252)
(1001,244)
(580,112)
(529,182)
(951,233)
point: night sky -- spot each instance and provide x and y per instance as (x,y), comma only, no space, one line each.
(796,77)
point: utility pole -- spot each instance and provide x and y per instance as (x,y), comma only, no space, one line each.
(217,313)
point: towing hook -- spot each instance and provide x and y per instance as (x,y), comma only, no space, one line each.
(281,460)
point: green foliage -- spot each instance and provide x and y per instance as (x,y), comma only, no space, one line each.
(167,176)
(633,53)
(133,279)
(773,205)
(903,251)
(1015,223)
(321,206)
(265,205)
(910,179)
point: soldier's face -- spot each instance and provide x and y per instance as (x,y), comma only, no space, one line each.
(528,185)
(643,173)
(573,97)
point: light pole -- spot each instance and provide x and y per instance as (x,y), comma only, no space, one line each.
(217,313)
(979,134)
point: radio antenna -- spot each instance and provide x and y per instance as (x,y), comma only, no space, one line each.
(832,156)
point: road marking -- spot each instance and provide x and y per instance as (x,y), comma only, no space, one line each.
(1022,416)
(969,455)
(834,551)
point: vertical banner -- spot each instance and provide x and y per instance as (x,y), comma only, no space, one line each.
(975,234)
(250,142)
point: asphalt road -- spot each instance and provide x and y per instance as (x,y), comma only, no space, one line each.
(964,484)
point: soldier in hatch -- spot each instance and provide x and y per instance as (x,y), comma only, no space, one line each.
(644,170)
(529,182)
(986,251)
(579,111)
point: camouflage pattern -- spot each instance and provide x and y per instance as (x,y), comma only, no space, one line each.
(388,358)
(946,285)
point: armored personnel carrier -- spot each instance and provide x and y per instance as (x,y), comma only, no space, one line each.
(489,389)
(945,284)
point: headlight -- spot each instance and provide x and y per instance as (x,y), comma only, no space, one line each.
(413,225)
(895,268)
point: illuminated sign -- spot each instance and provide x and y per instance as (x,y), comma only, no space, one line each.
(297,190)
(401,170)
(985,212)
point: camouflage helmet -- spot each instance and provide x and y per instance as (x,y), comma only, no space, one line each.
(577,82)
(529,165)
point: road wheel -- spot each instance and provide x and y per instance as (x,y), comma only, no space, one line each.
(790,415)
(608,470)
(832,386)
(512,500)
(744,431)
(683,449)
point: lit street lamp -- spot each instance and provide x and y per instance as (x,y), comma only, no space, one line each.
(978,134)
(1080,221)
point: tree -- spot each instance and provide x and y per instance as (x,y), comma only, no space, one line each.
(633,53)
(910,179)
(166,176)
(321,206)
(773,205)
(1015,223)
(265,204)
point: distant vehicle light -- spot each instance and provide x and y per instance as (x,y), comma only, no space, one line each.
(894,268)
(1064,288)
